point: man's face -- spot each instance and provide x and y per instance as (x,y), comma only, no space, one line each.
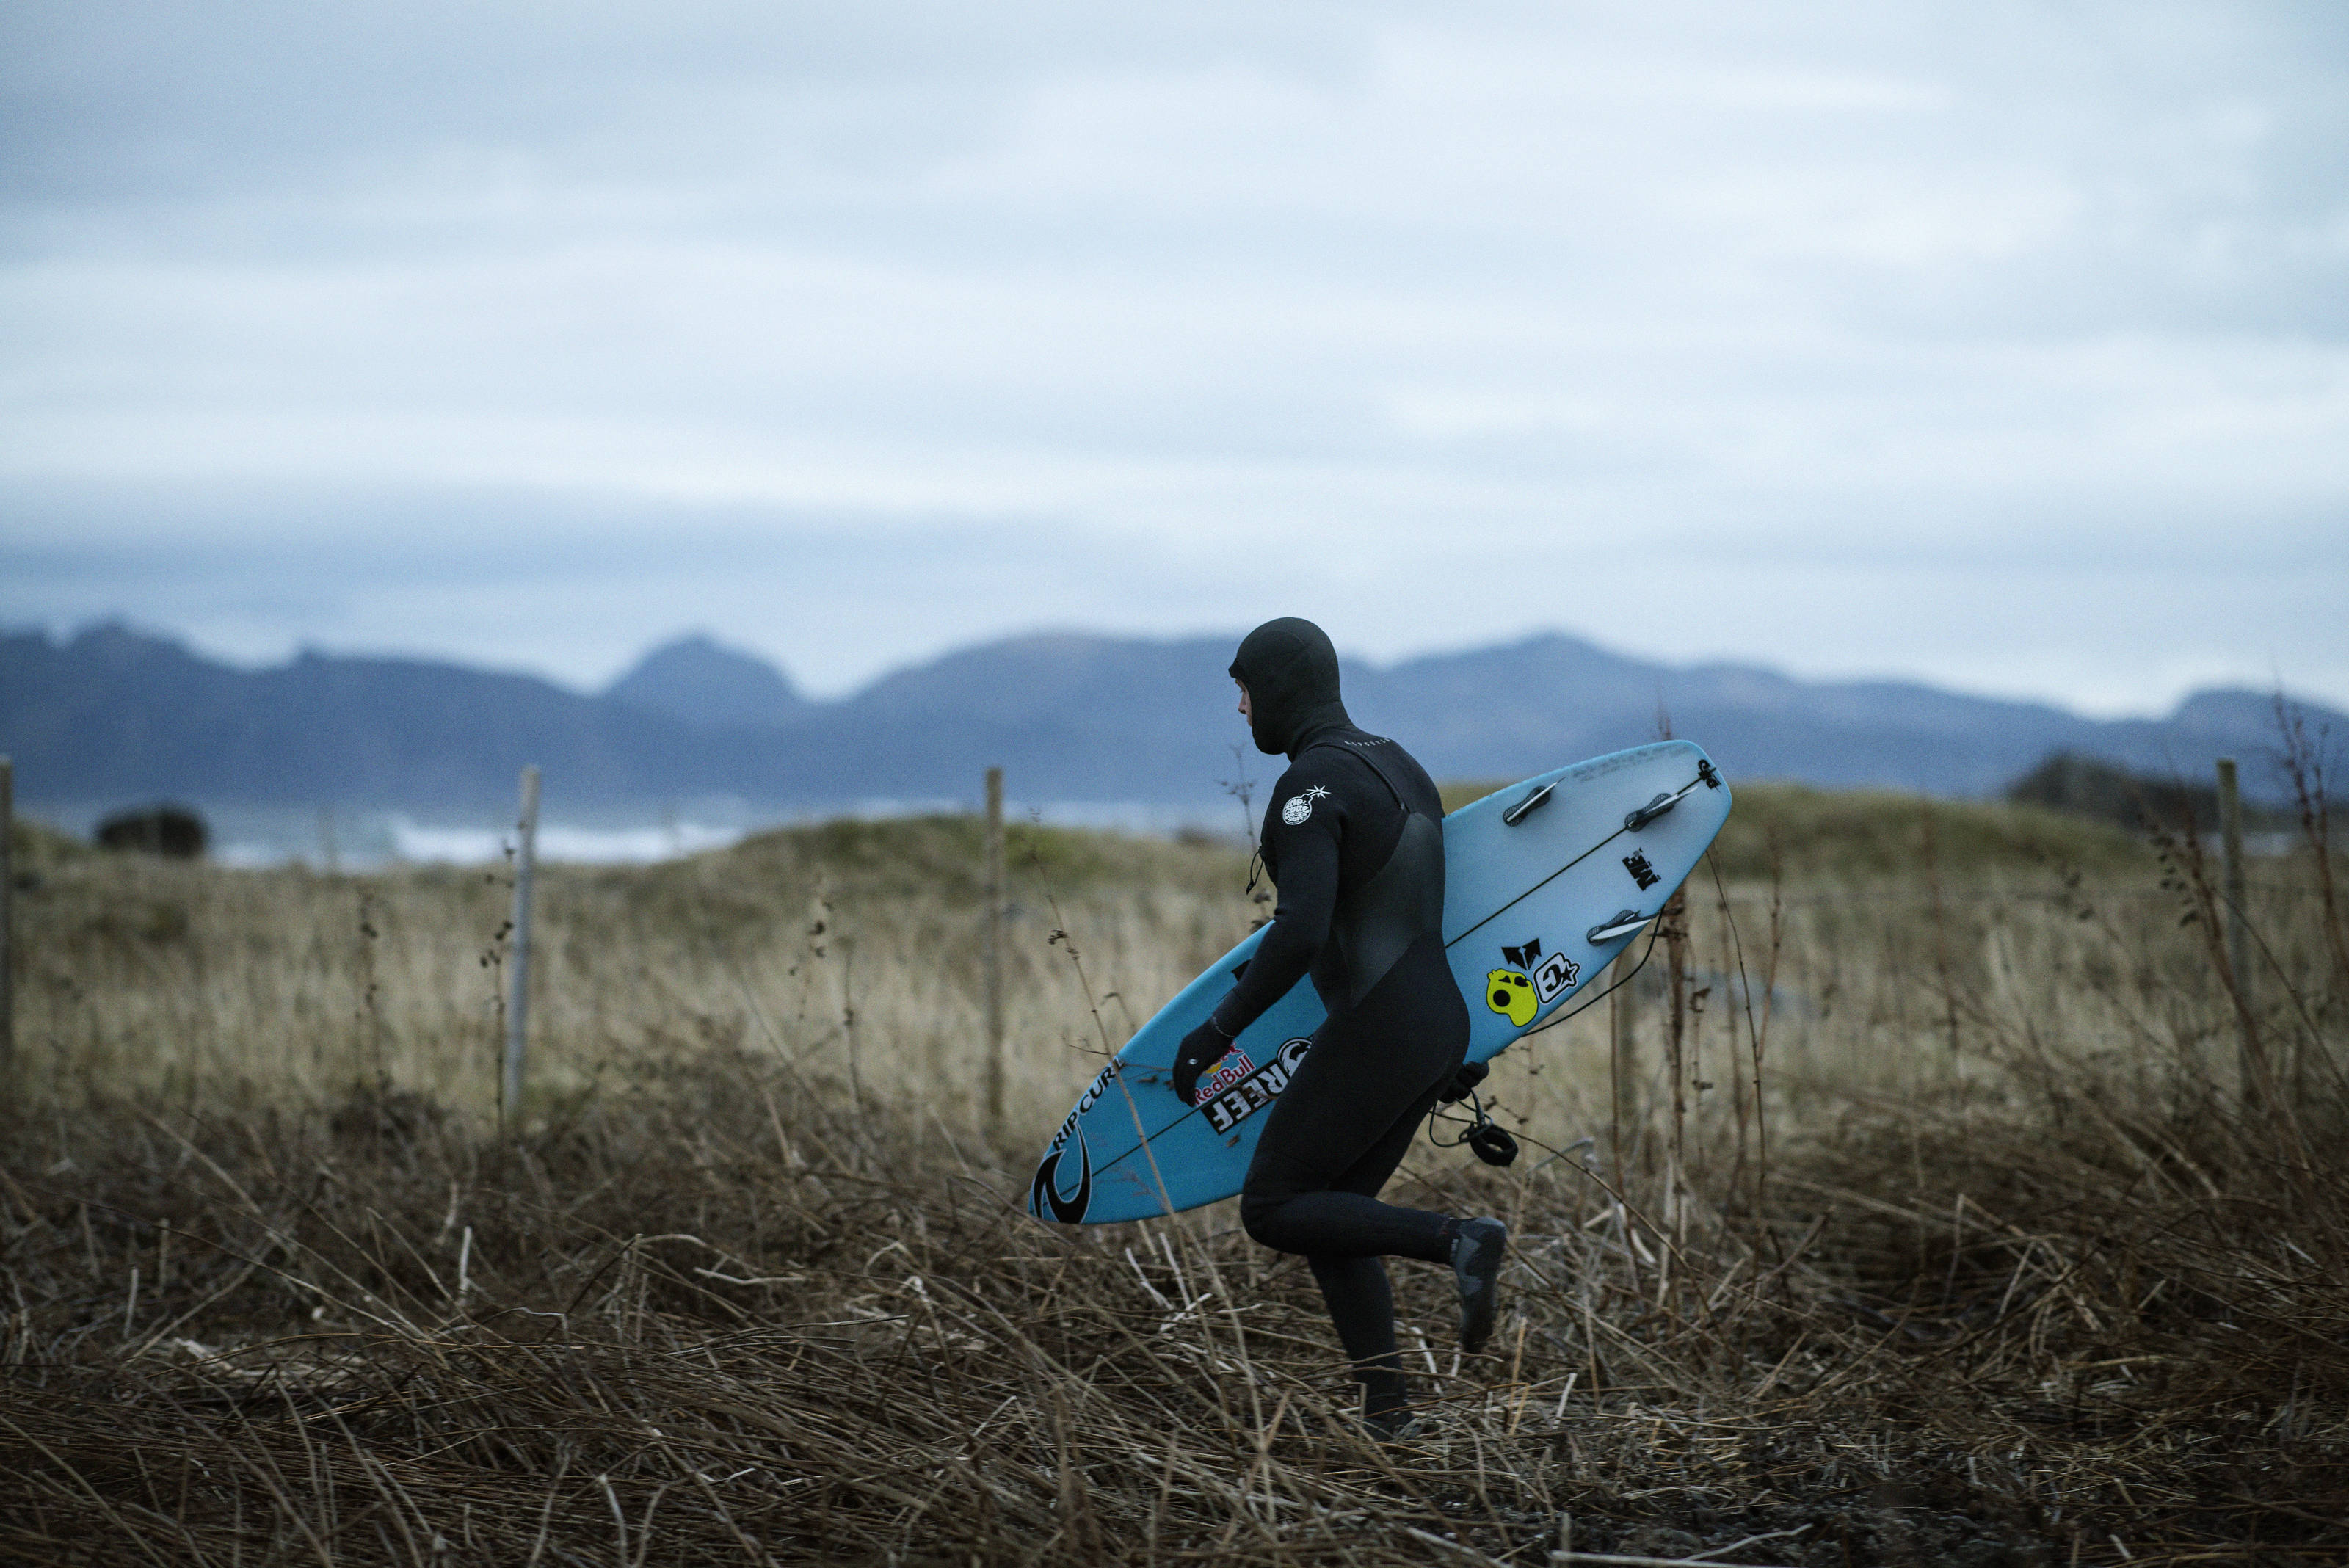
(1244,700)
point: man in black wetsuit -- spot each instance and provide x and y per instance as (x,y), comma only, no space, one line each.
(1353,838)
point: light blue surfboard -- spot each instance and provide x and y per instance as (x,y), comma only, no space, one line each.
(1545,883)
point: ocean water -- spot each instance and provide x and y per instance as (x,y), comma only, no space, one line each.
(349,840)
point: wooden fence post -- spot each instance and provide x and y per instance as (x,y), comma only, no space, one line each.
(518,1006)
(1623,1070)
(8,933)
(993,948)
(2238,931)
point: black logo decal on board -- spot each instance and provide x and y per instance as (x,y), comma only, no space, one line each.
(1636,862)
(1258,1090)
(1044,1192)
(1525,956)
(1557,975)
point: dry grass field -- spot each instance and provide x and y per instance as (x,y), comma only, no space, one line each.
(1916,1206)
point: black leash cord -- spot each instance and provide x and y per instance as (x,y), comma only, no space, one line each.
(1655,930)
(1478,1117)
(1438,1114)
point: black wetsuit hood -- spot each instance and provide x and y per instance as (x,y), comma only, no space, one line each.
(1290,670)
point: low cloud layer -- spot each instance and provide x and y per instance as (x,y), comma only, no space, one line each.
(2006,346)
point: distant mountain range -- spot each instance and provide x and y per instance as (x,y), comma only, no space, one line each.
(710,687)
(113,715)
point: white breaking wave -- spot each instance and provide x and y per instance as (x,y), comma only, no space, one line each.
(558,841)
(370,840)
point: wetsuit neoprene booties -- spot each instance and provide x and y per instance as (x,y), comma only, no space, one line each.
(1476,1254)
(1290,671)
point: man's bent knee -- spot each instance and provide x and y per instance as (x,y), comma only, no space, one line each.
(1260,1218)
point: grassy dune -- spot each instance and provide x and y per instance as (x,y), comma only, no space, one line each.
(1915,1208)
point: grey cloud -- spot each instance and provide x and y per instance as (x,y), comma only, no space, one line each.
(128,97)
(366,319)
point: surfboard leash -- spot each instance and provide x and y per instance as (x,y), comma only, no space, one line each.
(1655,928)
(1484,1137)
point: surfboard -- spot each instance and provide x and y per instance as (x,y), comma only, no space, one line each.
(1546,883)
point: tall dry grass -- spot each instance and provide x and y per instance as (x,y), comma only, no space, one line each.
(1930,1216)
(850,951)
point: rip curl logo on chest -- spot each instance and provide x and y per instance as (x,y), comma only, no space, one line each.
(1297,808)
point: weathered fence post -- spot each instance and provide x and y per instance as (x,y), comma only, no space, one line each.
(992,951)
(1673,923)
(2238,931)
(7,911)
(1623,1069)
(518,1007)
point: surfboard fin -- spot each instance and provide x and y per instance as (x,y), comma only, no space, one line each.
(1650,812)
(1625,922)
(1528,807)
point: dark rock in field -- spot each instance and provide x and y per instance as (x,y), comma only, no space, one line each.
(1888,1533)
(373,1115)
(1659,1540)
(1991,1552)
(172,831)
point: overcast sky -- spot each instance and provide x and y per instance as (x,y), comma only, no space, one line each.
(2001,344)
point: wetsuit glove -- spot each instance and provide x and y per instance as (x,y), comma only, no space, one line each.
(1201,1048)
(1463,1082)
